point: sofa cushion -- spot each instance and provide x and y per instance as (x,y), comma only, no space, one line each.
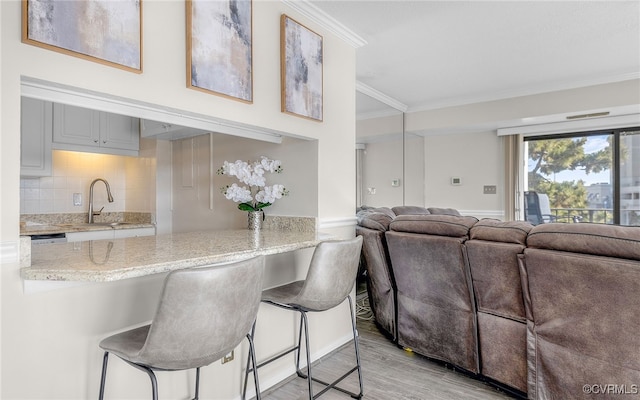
(596,239)
(443,225)
(375,219)
(443,211)
(495,230)
(410,210)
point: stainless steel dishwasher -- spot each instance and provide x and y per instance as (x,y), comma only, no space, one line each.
(49,238)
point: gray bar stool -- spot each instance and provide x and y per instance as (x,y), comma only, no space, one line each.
(329,281)
(203,314)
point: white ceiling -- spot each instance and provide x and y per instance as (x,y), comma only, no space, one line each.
(433,54)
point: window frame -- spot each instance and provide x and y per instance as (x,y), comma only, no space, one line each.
(616,134)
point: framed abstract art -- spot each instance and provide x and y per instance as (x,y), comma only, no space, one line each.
(219,48)
(301,56)
(105,31)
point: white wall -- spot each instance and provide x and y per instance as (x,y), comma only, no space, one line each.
(382,163)
(476,159)
(50,339)
(198,203)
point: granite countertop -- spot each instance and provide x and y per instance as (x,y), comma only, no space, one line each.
(110,260)
(47,224)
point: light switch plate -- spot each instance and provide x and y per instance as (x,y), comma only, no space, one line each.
(490,189)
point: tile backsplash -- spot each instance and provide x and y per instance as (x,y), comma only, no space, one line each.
(131,180)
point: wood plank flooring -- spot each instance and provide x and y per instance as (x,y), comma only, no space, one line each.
(389,373)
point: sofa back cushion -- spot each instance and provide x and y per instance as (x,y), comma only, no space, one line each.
(375,218)
(410,210)
(443,211)
(596,239)
(441,225)
(494,230)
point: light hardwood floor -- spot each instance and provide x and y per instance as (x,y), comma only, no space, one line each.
(389,373)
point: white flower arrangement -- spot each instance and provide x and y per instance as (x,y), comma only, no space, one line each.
(257,196)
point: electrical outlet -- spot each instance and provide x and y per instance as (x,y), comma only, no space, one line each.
(371,190)
(227,358)
(77,199)
(490,189)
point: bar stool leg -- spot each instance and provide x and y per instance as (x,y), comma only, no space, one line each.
(303,317)
(327,385)
(105,359)
(197,394)
(252,354)
(357,347)
(251,359)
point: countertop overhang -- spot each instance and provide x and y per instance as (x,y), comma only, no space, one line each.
(111,260)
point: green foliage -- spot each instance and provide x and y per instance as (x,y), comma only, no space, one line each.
(556,155)
(250,206)
(567,194)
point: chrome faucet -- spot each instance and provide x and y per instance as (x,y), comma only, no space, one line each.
(109,197)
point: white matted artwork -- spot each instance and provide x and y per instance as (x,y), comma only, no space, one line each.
(219,47)
(301,70)
(104,31)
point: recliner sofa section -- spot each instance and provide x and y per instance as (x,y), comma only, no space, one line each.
(550,310)
(492,251)
(436,314)
(581,287)
(372,225)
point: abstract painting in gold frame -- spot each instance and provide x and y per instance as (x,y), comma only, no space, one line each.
(219,47)
(105,31)
(301,56)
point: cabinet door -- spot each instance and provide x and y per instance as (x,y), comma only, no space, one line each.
(35,137)
(76,126)
(119,132)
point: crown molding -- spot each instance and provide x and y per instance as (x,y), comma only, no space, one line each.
(381,97)
(326,21)
(524,91)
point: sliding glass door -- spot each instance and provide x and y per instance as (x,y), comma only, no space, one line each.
(629,183)
(585,177)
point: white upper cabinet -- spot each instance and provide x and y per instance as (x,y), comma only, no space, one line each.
(81,129)
(119,132)
(35,140)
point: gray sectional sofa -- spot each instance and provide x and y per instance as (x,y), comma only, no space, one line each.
(548,312)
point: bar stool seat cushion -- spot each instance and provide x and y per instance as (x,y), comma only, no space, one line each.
(329,279)
(192,326)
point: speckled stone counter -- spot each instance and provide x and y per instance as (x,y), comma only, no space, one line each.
(44,224)
(110,260)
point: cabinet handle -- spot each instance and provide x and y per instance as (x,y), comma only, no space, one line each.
(104,142)
(95,141)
